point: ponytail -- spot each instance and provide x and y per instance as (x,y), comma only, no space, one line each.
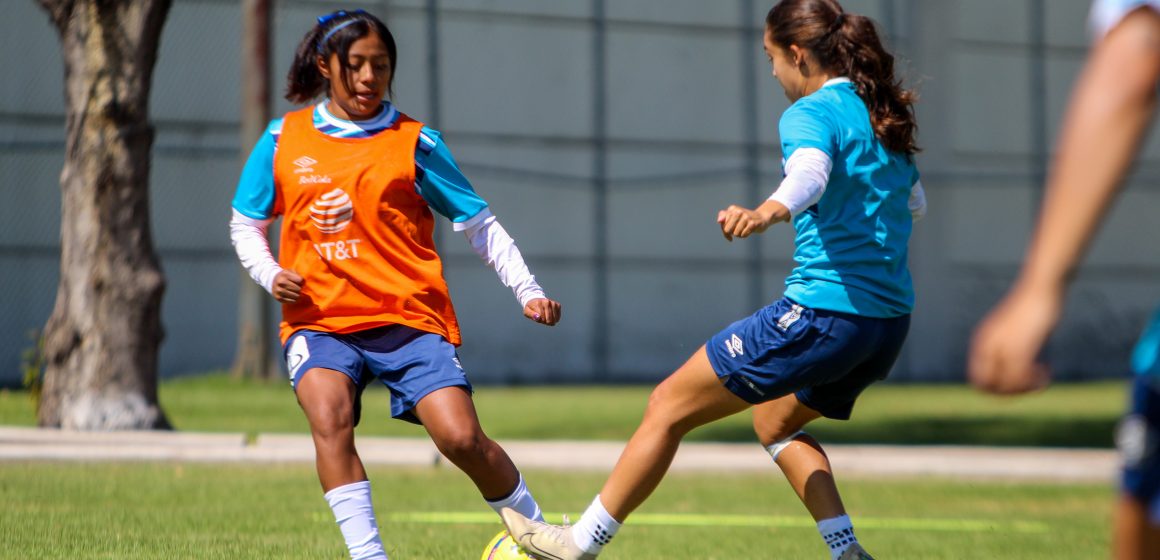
(848,45)
(871,67)
(333,34)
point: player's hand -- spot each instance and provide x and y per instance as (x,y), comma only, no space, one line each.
(287,286)
(543,310)
(736,221)
(1004,350)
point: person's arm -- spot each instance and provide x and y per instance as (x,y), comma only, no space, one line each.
(449,193)
(492,243)
(253,211)
(1111,108)
(253,249)
(807,172)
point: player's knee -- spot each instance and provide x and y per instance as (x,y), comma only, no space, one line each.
(331,421)
(662,414)
(463,445)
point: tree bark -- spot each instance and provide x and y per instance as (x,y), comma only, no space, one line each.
(101,342)
(253,358)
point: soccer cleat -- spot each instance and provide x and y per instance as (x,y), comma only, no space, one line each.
(543,541)
(855,552)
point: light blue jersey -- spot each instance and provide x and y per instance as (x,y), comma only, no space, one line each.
(437,178)
(852,245)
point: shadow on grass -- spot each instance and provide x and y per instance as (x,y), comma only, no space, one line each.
(935,430)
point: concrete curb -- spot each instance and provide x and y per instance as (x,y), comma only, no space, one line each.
(1023,464)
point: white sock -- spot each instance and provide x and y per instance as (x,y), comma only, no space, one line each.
(356,518)
(595,528)
(520,500)
(838,533)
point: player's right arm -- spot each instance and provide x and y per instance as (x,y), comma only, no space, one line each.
(1110,110)
(253,211)
(808,141)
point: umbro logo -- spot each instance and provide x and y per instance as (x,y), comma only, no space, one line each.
(304,164)
(734,346)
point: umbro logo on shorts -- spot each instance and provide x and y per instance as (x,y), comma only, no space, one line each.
(734,346)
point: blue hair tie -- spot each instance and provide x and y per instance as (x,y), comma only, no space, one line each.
(323,20)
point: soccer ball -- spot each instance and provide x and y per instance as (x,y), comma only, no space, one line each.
(503,547)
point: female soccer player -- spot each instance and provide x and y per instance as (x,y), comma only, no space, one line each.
(1113,103)
(852,192)
(361,286)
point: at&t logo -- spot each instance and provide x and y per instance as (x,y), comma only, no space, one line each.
(332,212)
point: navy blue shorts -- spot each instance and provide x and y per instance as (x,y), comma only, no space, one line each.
(409,362)
(1138,438)
(826,358)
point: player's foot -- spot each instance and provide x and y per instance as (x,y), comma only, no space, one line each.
(855,552)
(542,540)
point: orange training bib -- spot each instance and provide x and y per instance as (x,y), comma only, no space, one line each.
(357,231)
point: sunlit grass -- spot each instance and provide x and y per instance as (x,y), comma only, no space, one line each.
(239,512)
(1067,415)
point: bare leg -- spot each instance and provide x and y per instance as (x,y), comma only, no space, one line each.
(1134,536)
(449,416)
(692,396)
(327,398)
(803,462)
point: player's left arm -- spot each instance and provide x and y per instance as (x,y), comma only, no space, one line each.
(449,193)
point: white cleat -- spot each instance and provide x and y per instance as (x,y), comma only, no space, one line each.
(855,552)
(543,541)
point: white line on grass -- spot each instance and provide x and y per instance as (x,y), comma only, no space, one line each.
(696,520)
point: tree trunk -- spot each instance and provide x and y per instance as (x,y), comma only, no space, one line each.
(101,342)
(253,358)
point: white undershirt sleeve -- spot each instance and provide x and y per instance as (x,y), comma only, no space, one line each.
(493,244)
(807,171)
(917,202)
(253,248)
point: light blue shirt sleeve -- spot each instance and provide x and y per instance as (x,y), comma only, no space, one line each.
(806,125)
(254,197)
(442,184)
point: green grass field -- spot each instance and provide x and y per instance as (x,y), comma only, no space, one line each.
(230,511)
(1066,415)
(240,512)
